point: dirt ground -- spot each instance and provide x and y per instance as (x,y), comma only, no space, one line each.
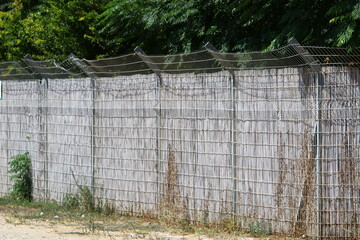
(16,224)
(34,224)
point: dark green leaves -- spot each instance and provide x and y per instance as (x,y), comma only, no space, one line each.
(345,19)
(88,28)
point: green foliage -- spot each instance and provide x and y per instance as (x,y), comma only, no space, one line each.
(167,26)
(86,199)
(71,201)
(346,18)
(61,27)
(5,5)
(90,28)
(49,29)
(21,175)
(259,228)
(181,26)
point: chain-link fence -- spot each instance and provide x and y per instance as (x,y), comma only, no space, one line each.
(267,140)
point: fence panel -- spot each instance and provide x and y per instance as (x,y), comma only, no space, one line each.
(20,127)
(196,144)
(270,140)
(340,152)
(126,142)
(68,136)
(275,121)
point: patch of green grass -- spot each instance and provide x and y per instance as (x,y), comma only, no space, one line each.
(91,221)
(10,201)
(37,209)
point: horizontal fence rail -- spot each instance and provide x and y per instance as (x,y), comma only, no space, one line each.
(264,139)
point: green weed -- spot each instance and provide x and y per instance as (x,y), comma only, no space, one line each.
(71,201)
(21,175)
(259,228)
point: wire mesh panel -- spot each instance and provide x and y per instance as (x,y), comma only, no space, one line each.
(15,71)
(274,127)
(340,191)
(69,125)
(123,65)
(19,127)
(195,143)
(126,142)
(266,139)
(195,62)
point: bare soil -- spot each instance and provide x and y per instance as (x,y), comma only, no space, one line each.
(23,223)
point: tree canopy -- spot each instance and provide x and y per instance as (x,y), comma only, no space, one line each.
(99,28)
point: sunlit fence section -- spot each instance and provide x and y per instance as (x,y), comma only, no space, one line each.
(265,140)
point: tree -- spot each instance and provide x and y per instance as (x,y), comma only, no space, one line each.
(166,26)
(90,28)
(11,32)
(61,27)
(346,22)
(49,29)
(183,26)
(5,5)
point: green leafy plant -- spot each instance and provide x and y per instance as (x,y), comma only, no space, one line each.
(71,201)
(21,175)
(259,228)
(86,199)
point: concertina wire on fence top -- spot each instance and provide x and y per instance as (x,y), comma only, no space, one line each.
(204,61)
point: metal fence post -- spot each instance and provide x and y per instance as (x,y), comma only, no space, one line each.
(229,67)
(27,61)
(319,152)
(43,85)
(85,69)
(142,55)
(317,138)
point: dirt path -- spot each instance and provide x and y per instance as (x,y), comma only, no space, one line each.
(13,228)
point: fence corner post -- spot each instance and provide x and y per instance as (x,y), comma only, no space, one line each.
(143,56)
(81,65)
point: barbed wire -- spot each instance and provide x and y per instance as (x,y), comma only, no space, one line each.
(203,61)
